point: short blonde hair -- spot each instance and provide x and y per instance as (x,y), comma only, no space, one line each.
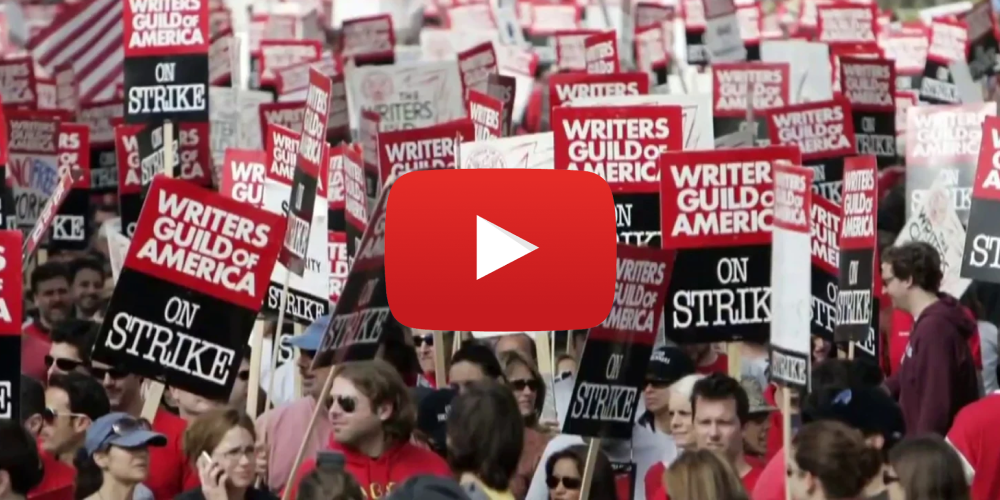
(685,385)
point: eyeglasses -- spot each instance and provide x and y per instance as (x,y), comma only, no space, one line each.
(886,279)
(346,403)
(243,375)
(114,373)
(520,385)
(128,425)
(64,364)
(419,340)
(656,384)
(237,453)
(50,415)
(570,483)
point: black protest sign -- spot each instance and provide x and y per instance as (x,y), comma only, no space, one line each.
(948,45)
(717,213)
(99,117)
(825,231)
(356,201)
(71,228)
(150,143)
(362,313)
(166,47)
(983,47)
(11,311)
(190,289)
(613,367)
(870,86)
(981,259)
(858,241)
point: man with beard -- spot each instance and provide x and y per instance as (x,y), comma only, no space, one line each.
(86,285)
(50,293)
(169,472)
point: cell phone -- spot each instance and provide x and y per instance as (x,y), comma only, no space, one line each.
(205,460)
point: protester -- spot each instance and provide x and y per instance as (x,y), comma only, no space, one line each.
(700,475)
(72,403)
(974,435)
(666,366)
(20,466)
(423,341)
(72,342)
(330,482)
(473,362)
(373,418)
(987,339)
(938,375)
(529,390)
(756,429)
(720,409)
(226,436)
(280,431)
(830,461)
(520,342)
(86,286)
(117,459)
(50,294)
(564,475)
(32,405)
(822,350)
(238,397)
(432,416)
(706,359)
(432,488)
(927,468)
(169,471)
(485,438)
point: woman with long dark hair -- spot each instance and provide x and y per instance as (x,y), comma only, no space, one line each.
(564,475)
(926,468)
(114,460)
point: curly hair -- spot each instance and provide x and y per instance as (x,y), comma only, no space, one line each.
(917,261)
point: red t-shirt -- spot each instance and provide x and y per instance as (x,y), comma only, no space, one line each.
(654,477)
(35,345)
(771,481)
(169,471)
(721,365)
(974,435)
(58,479)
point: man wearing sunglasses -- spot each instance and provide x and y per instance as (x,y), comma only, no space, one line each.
(169,472)
(50,294)
(72,342)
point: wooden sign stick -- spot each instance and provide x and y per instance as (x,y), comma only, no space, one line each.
(440,364)
(155,393)
(588,468)
(786,430)
(256,357)
(276,342)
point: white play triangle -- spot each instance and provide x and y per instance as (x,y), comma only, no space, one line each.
(496,247)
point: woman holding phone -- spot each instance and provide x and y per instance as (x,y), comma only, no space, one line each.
(221,443)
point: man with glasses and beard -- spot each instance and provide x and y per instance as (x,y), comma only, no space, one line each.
(279,431)
(72,402)
(86,286)
(373,418)
(169,472)
(72,342)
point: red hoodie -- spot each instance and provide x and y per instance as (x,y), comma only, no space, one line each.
(378,476)
(938,375)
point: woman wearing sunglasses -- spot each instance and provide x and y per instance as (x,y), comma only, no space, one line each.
(564,475)
(526,383)
(116,459)
(221,443)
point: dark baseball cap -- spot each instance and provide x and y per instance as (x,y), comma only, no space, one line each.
(432,416)
(669,364)
(868,409)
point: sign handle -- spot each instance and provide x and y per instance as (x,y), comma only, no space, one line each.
(786,429)
(588,468)
(298,329)
(733,352)
(256,355)
(320,406)
(155,393)
(276,344)
(440,364)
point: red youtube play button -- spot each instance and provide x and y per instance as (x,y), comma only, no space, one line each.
(500,250)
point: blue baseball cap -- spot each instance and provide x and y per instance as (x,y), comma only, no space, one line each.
(122,430)
(311,339)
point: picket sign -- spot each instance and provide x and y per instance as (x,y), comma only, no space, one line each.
(593,448)
(283,303)
(440,367)
(154,392)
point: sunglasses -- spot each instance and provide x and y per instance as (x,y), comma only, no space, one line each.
(419,340)
(656,384)
(346,403)
(50,415)
(570,483)
(114,373)
(64,364)
(243,375)
(520,385)
(128,425)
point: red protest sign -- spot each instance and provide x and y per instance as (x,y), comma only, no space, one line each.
(369,38)
(868,84)
(11,284)
(243,172)
(819,129)
(476,65)
(335,184)
(285,114)
(47,214)
(620,144)
(860,204)
(18,84)
(369,131)
(767,85)
(826,244)
(601,53)
(565,87)
(339,263)
(165,28)
(571,49)
(486,114)
(356,200)
(281,146)
(427,148)
(847,23)
(278,54)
